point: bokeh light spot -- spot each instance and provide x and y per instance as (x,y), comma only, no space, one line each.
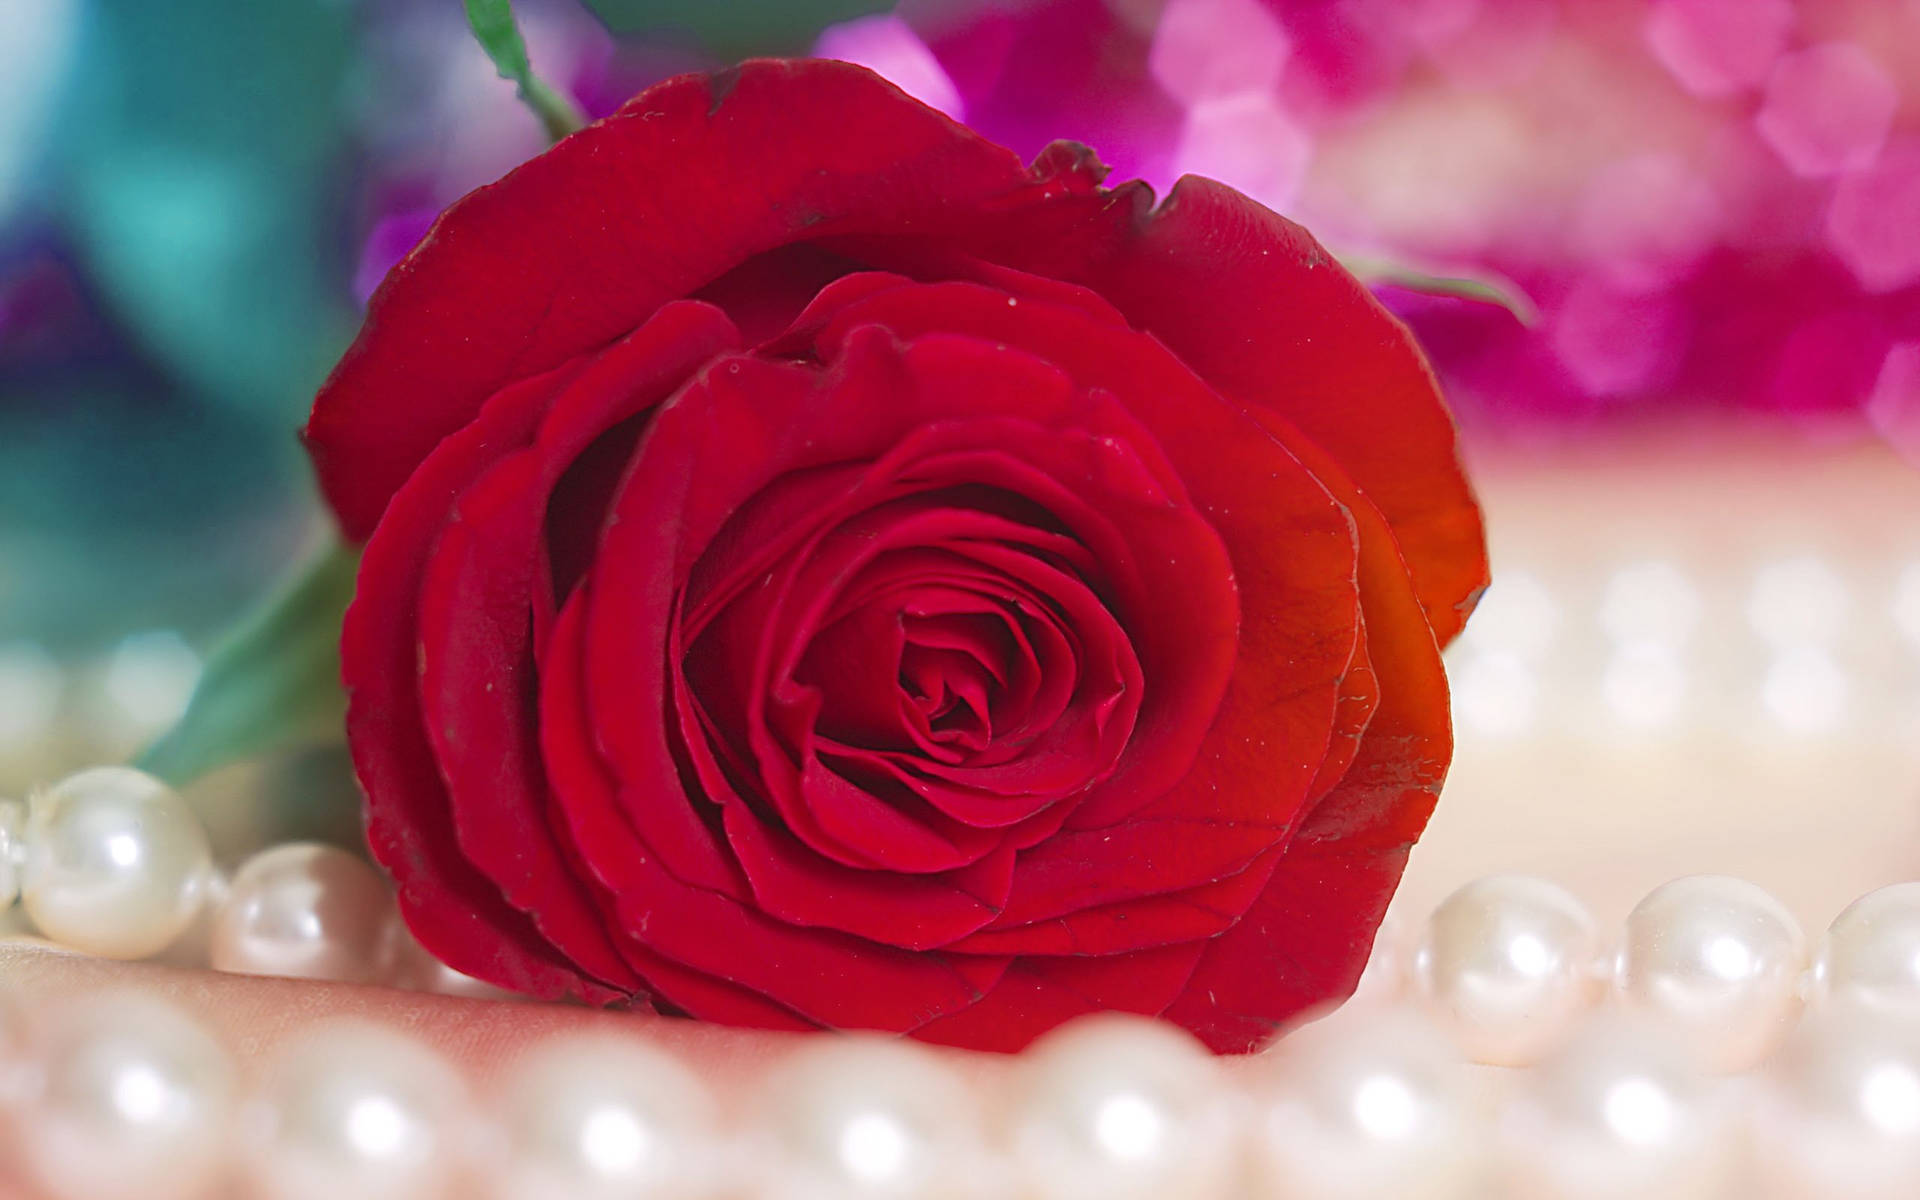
(1874,222)
(1213,49)
(888,46)
(1614,341)
(1718,47)
(1649,601)
(1248,143)
(1894,407)
(1827,109)
(1645,219)
(1805,691)
(1797,600)
(1644,685)
(1495,694)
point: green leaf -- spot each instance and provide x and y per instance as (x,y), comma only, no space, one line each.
(734,28)
(274,684)
(493,25)
(1484,287)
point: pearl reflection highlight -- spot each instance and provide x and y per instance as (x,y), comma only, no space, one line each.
(863,1117)
(132,1099)
(597,1116)
(1717,959)
(1622,1112)
(1506,965)
(1128,1128)
(303,910)
(1839,1111)
(358,1110)
(116,864)
(874,1147)
(1113,1108)
(1366,1106)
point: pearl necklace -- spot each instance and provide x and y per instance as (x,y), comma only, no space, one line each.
(1640,1054)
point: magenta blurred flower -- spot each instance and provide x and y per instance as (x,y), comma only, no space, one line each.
(1874,224)
(1714,202)
(1894,407)
(1828,109)
(1717,47)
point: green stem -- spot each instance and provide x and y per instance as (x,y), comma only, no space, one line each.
(273,683)
(1485,287)
(498,34)
(558,114)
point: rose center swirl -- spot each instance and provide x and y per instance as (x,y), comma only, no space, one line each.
(950,654)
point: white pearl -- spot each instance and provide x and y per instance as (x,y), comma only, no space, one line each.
(603,1117)
(850,1117)
(13,849)
(1839,1116)
(1122,1108)
(303,910)
(1720,960)
(1507,966)
(133,1099)
(1622,1112)
(405,964)
(1871,953)
(359,1111)
(116,863)
(1368,1106)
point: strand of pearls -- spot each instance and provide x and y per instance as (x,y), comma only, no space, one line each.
(1639,1054)
(112,862)
(1510,964)
(122,1095)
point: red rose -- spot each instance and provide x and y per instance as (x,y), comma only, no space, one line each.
(822,573)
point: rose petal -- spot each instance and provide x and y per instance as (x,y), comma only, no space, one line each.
(824,976)
(1038,994)
(455,910)
(477,673)
(1292,545)
(580,245)
(1285,328)
(1306,939)
(1192,915)
(914,912)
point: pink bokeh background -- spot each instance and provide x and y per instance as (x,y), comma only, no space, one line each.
(1713,204)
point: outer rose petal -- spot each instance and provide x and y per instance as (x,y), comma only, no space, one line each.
(477,671)
(1312,344)
(1262,312)
(583,243)
(456,911)
(1306,938)
(1036,994)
